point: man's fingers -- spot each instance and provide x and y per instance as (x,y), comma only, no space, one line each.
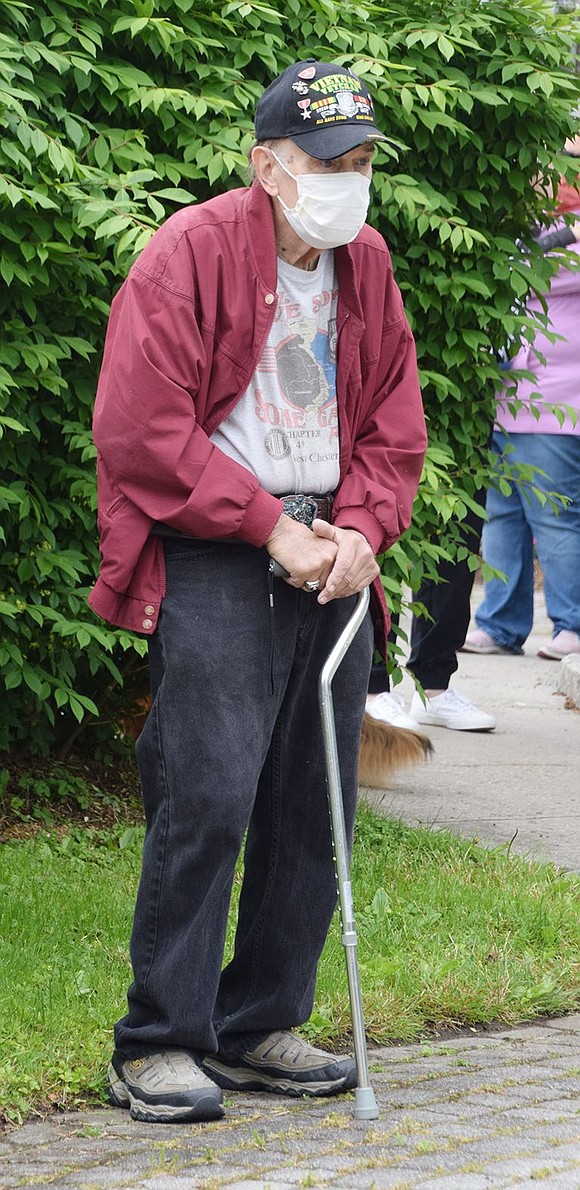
(349,584)
(302,554)
(354,567)
(341,581)
(340,559)
(324,529)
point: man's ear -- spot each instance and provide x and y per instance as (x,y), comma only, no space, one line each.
(263,163)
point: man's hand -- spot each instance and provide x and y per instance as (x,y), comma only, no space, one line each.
(306,556)
(354,564)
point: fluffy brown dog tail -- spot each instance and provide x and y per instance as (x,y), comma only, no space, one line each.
(384,749)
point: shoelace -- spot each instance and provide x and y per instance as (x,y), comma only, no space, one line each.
(389,699)
(290,1047)
(455,697)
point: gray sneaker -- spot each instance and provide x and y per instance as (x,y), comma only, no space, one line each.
(164,1088)
(285,1064)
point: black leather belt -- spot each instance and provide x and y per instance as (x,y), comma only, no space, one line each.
(306,508)
(299,507)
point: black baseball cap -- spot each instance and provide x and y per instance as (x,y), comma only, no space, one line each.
(323,108)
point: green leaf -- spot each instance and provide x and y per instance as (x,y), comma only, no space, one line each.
(12,679)
(445,47)
(215,167)
(101,151)
(10,423)
(113,226)
(135,25)
(74,130)
(8,609)
(32,680)
(518,283)
(176,194)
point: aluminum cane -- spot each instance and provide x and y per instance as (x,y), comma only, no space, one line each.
(365,1106)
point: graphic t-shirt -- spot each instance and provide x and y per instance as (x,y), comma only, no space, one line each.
(285,427)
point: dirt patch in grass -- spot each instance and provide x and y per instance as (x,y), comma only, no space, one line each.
(40,793)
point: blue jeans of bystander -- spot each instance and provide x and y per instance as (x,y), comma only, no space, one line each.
(515,522)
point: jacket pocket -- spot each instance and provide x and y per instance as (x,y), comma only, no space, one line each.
(116,504)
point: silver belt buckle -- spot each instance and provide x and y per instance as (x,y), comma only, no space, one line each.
(301,508)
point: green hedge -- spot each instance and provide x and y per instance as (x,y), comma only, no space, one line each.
(116,113)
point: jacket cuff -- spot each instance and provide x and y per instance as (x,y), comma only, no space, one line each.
(262,513)
(364,522)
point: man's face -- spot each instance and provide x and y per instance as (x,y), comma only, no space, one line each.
(358,160)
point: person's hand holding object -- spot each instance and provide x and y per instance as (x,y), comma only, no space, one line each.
(355,565)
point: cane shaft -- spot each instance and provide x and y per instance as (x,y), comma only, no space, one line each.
(365,1103)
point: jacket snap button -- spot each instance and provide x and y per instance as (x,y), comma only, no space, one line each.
(147,623)
(149,609)
(269,298)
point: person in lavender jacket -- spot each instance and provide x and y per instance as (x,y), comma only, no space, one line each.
(505,616)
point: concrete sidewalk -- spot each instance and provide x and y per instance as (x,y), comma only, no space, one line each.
(485,1110)
(519,784)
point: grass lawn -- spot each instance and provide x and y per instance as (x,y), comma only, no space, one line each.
(450,934)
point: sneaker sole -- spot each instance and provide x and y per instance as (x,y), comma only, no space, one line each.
(238,1078)
(404,723)
(484,650)
(432,721)
(207,1107)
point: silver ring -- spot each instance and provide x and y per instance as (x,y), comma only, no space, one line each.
(312,584)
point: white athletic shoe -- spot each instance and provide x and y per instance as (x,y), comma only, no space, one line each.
(388,707)
(451,709)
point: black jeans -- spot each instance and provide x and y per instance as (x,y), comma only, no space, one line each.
(233,744)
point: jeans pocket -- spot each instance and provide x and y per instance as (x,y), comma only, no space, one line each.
(192,549)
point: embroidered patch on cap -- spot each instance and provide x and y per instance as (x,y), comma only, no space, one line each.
(324,108)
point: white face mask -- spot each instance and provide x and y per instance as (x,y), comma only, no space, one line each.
(330,208)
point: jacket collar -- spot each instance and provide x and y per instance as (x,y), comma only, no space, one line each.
(263,245)
(347,287)
(262,238)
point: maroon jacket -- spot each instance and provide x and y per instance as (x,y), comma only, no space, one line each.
(186,332)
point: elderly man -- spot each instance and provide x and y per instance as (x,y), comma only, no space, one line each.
(258,400)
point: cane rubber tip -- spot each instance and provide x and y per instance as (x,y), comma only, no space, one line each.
(365,1104)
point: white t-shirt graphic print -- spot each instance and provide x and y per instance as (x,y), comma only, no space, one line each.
(285,427)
